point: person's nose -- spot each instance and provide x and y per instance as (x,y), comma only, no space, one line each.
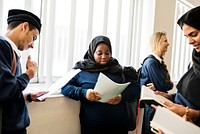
(191,40)
(103,55)
(31,45)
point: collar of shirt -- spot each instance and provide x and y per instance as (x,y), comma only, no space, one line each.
(14,47)
(157,57)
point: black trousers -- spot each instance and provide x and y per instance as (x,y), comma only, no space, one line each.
(22,131)
(90,130)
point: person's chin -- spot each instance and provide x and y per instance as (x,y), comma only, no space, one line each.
(197,49)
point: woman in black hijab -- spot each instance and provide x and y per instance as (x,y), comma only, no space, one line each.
(91,65)
(96,117)
(187,99)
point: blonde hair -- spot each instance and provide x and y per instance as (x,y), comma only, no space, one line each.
(155,42)
(155,46)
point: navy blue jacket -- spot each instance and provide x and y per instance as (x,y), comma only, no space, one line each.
(15,114)
(154,72)
(97,114)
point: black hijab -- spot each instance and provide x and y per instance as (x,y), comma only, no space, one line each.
(191,18)
(89,64)
(196,62)
(189,84)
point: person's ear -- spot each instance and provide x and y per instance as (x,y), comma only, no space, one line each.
(25,26)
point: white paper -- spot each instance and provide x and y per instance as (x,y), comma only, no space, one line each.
(60,83)
(171,123)
(148,96)
(108,88)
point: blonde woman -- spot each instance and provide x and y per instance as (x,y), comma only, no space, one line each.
(154,73)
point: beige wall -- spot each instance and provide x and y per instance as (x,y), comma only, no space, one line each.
(194,2)
(57,115)
(164,21)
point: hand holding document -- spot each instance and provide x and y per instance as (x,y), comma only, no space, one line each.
(149,97)
(59,83)
(171,123)
(108,88)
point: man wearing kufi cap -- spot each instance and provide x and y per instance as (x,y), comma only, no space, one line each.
(23,29)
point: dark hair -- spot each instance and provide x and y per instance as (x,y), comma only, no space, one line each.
(14,24)
(191,18)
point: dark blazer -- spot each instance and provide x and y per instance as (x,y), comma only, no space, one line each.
(15,113)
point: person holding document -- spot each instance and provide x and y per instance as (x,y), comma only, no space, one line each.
(187,100)
(154,74)
(23,29)
(110,117)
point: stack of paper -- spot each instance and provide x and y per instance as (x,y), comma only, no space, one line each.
(149,97)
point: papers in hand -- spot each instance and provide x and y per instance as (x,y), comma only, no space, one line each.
(59,83)
(149,97)
(171,123)
(108,88)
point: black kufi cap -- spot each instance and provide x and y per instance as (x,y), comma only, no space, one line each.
(24,16)
(191,18)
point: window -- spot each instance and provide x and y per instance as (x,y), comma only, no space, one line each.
(69,25)
(181,51)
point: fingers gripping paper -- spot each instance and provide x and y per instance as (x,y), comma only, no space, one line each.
(108,88)
(149,97)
